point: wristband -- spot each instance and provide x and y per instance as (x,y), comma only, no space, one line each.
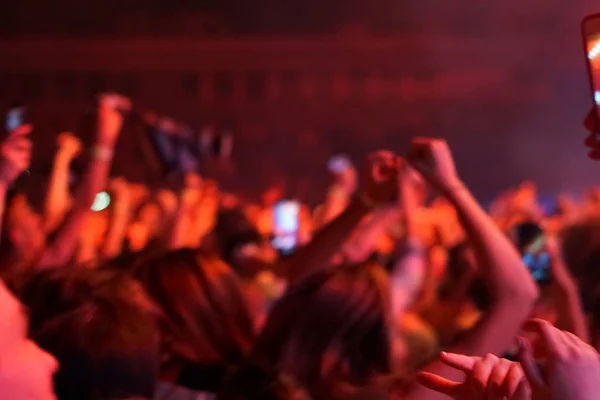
(102,153)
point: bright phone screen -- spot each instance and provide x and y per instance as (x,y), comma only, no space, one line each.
(286,225)
(14,118)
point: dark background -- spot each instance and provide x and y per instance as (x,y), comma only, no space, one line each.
(498,140)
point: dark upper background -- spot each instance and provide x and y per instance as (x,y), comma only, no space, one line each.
(537,140)
(103,17)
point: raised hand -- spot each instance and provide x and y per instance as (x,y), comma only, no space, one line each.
(15,155)
(572,367)
(69,144)
(139,192)
(434,161)
(380,178)
(347,179)
(488,377)
(111,108)
(120,187)
(193,181)
(168,200)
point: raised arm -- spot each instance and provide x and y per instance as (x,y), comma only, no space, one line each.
(409,272)
(110,121)
(512,289)
(380,187)
(204,212)
(119,220)
(339,196)
(58,198)
(365,238)
(178,237)
(15,156)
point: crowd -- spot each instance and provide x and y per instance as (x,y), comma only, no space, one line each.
(401,286)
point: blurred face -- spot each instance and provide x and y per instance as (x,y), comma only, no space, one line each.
(25,370)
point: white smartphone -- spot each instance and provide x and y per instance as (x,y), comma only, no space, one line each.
(286,225)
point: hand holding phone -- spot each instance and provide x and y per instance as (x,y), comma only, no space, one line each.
(591,39)
(15,117)
(531,242)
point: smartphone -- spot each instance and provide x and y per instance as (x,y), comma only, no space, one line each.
(286,225)
(591,40)
(338,164)
(101,202)
(530,241)
(15,117)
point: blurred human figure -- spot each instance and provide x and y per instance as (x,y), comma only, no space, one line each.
(58,199)
(350,355)
(22,228)
(207,326)
(61,247)
(25,370)
(101,326)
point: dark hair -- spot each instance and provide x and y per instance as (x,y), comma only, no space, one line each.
(207,320)
(581,250)
(331,332)
(102,329)
(232,231)
(260,382)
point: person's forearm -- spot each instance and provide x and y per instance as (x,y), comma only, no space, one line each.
(363,242)
(61,250)
(177,237)
(317,255)
(334,204)
(571,317)
(57,197)
(85,251)
(499,262)
(512,289)
(202,222)
(113,245)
